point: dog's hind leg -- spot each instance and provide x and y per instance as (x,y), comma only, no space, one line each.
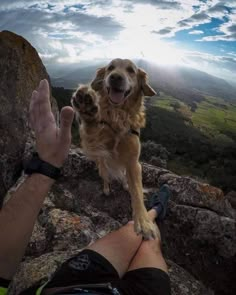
(124,181)
(105,176)
(106,188)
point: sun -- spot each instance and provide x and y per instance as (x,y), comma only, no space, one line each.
(133,44)
(162,53)
(130,44)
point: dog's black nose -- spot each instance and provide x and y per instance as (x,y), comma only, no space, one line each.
(116,78)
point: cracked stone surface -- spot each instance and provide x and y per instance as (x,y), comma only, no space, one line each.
(198,234)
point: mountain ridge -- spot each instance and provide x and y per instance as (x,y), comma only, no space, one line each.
(184,83)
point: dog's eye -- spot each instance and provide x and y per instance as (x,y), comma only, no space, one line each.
(110,68)
(130,70)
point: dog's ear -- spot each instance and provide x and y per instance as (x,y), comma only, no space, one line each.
(145,87)
(97,83)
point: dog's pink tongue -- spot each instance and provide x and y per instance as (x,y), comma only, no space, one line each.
(116,97)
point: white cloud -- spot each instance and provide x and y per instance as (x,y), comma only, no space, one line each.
(190,18)
(218,11)
(226,31)
(196,32)
(219,65)
(68,32)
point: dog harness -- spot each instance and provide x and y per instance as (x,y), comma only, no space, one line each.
(130,131)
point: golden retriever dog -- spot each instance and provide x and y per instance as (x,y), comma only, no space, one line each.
(110,113)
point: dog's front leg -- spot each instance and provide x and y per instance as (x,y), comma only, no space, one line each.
(142,224)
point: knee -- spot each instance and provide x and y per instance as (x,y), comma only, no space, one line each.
(153,246)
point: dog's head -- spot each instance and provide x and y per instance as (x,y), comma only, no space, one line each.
(120,80)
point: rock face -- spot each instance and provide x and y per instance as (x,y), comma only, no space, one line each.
(21,70)
(198,234)
(154,154)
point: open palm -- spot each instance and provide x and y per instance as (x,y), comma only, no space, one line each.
(52,142)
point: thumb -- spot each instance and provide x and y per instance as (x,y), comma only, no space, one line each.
(66,119)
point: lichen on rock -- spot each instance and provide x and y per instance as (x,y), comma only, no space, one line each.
(198,234)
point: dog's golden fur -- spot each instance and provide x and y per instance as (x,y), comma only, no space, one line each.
(111,144)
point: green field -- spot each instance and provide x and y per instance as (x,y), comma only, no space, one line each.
(214,117)
(217,117)
(200,137)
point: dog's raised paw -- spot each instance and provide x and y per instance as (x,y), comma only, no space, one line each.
(85,102)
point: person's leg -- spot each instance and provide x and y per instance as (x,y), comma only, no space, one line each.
(149,253)
(147,273)
(109,258)
(119,247)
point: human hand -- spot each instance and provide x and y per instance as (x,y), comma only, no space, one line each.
(52,142)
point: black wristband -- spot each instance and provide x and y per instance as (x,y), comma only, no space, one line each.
(36,165)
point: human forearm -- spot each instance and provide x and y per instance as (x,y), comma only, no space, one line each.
(18,216)
(17,220)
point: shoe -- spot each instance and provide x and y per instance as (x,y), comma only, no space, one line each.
(159,201)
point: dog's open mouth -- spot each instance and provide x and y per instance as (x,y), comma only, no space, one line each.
(117,95)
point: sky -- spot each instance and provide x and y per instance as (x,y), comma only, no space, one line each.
(195,33)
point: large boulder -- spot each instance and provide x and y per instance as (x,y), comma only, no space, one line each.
(183,283)
(154,154)
(59,234)
(21,70)
(198,234)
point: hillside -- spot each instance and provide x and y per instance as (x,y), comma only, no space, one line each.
(214,117)
(188,84)
(201,142)
(71,80)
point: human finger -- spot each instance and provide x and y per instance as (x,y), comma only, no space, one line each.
(44,98)
(33,109)
(66,119)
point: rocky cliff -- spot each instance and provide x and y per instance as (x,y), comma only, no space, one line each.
(199,233)
(21,70)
